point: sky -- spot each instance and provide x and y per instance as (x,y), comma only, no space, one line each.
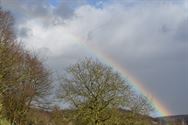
(149,38)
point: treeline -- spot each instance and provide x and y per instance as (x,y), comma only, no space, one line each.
(24,80)
(96,94)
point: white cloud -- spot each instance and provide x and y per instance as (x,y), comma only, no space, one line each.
(112,25)
(56,38)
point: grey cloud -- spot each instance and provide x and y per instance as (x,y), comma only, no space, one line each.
(65,9)
(147,2)
(182,31)
(67,58)
(40,10)
(24,32)
(27,8)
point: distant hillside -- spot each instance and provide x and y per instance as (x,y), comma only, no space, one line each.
(172,120)
(167,120)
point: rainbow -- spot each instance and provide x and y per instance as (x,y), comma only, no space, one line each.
(160,109)
(135,83)
(139,87)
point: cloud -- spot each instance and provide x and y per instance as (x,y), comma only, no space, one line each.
(65,9)
(27,8)
(182,31)
(42,10)
(150,40)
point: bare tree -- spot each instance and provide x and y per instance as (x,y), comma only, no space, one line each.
(95,90)
(23,78)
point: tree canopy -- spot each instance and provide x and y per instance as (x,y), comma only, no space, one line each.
(95,90)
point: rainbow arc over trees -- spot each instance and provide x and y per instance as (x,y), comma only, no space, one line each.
(160,109)
(134,82)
